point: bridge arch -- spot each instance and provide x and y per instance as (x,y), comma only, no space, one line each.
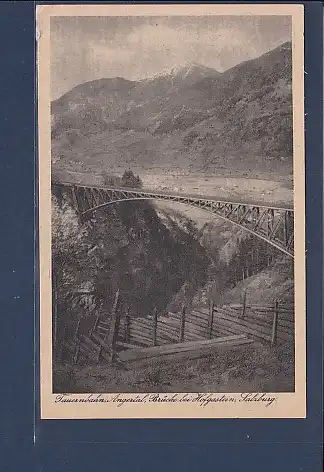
(207,210)
(271,224)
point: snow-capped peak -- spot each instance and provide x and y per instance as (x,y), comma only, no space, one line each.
(184,70)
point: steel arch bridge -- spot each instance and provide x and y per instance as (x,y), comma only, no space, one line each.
(273,224)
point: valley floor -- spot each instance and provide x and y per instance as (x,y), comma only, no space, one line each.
(268,189)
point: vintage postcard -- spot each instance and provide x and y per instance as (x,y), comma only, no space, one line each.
(171,211)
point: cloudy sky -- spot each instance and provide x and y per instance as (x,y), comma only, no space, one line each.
(88,48)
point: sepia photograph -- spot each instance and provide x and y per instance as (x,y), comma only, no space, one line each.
(174,241)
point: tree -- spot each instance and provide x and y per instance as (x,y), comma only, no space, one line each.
(70,255)
(130,180)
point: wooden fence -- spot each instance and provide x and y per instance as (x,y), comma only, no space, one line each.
(102,339)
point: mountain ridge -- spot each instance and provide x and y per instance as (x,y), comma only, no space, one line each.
(186,64)
(182,120)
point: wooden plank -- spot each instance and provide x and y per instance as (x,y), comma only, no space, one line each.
(268,311)
(260,331)
(139,342)
(289,323)
(284,326)
(168,328)
(194,315)
(202,310)
(202,316)
(77,341)
(197,322)
(266,306)
(244,304)
(169,333)
(102,334)
(90,343)
(238,323)
(173,330)
(94,326)
(141,338)
(284,309)
(142,322)
(192,328)
(196,353)
(222,330)
(102,328)
(137,336)
(126,326)
(229,311)
(146,323)
(167,319)
(103,324)
(274,326)
(140,329)
(182,324)
(235,306)
(184,346)
(193,337)
(154,328)
(170,337)
(100,341)
(282,330)
(180,347)
(283,316)
(241,327)
(163,341)
(194,320)
(127,345)
(211,321)
(111,337)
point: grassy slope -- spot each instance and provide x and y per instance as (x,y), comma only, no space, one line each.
(254,368)
(275,282)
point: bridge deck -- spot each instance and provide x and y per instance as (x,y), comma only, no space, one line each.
(217,198)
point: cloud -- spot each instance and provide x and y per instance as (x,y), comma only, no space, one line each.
(178,45)
(88,48)
(101,54)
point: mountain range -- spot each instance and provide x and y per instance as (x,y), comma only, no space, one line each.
(190,118)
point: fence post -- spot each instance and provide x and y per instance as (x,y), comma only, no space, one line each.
(155,319)
(94,326)
(210,320)
(77,341)
(113,333)
(244,304)
(127,326)
(55,324)
(275,324)
(182,323)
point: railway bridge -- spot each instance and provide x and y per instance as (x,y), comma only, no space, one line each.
(272,223)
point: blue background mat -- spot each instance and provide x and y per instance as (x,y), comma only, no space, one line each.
(132,445)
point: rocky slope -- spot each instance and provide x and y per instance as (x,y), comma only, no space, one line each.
(126,247)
